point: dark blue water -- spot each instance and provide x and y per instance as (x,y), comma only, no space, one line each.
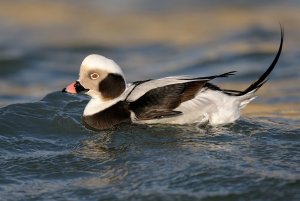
(47,154)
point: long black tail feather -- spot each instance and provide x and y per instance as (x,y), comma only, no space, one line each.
(262,80)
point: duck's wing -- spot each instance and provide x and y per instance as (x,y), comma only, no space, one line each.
(139,88)
(155,99)
(160,102)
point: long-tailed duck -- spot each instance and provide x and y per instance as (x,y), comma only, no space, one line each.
(169,100)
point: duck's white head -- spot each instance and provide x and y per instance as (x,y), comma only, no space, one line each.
(99,77)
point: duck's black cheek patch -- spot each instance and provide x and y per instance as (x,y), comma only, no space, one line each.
(112,86)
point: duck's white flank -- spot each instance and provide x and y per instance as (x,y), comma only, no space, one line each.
(209,106)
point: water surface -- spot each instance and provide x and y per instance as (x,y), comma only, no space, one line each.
(47,154)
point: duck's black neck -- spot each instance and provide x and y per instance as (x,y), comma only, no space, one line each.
(109,117)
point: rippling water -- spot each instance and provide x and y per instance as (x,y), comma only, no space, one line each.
(47,154)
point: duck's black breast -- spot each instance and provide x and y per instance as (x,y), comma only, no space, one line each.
(108,118)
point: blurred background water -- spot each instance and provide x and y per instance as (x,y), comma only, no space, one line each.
(45,152)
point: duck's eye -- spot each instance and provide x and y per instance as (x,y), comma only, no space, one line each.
(94,76)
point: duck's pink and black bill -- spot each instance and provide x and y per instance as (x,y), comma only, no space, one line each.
(74,88)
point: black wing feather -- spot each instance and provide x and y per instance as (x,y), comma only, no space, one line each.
(161,102)
(211,77)
(158,102)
